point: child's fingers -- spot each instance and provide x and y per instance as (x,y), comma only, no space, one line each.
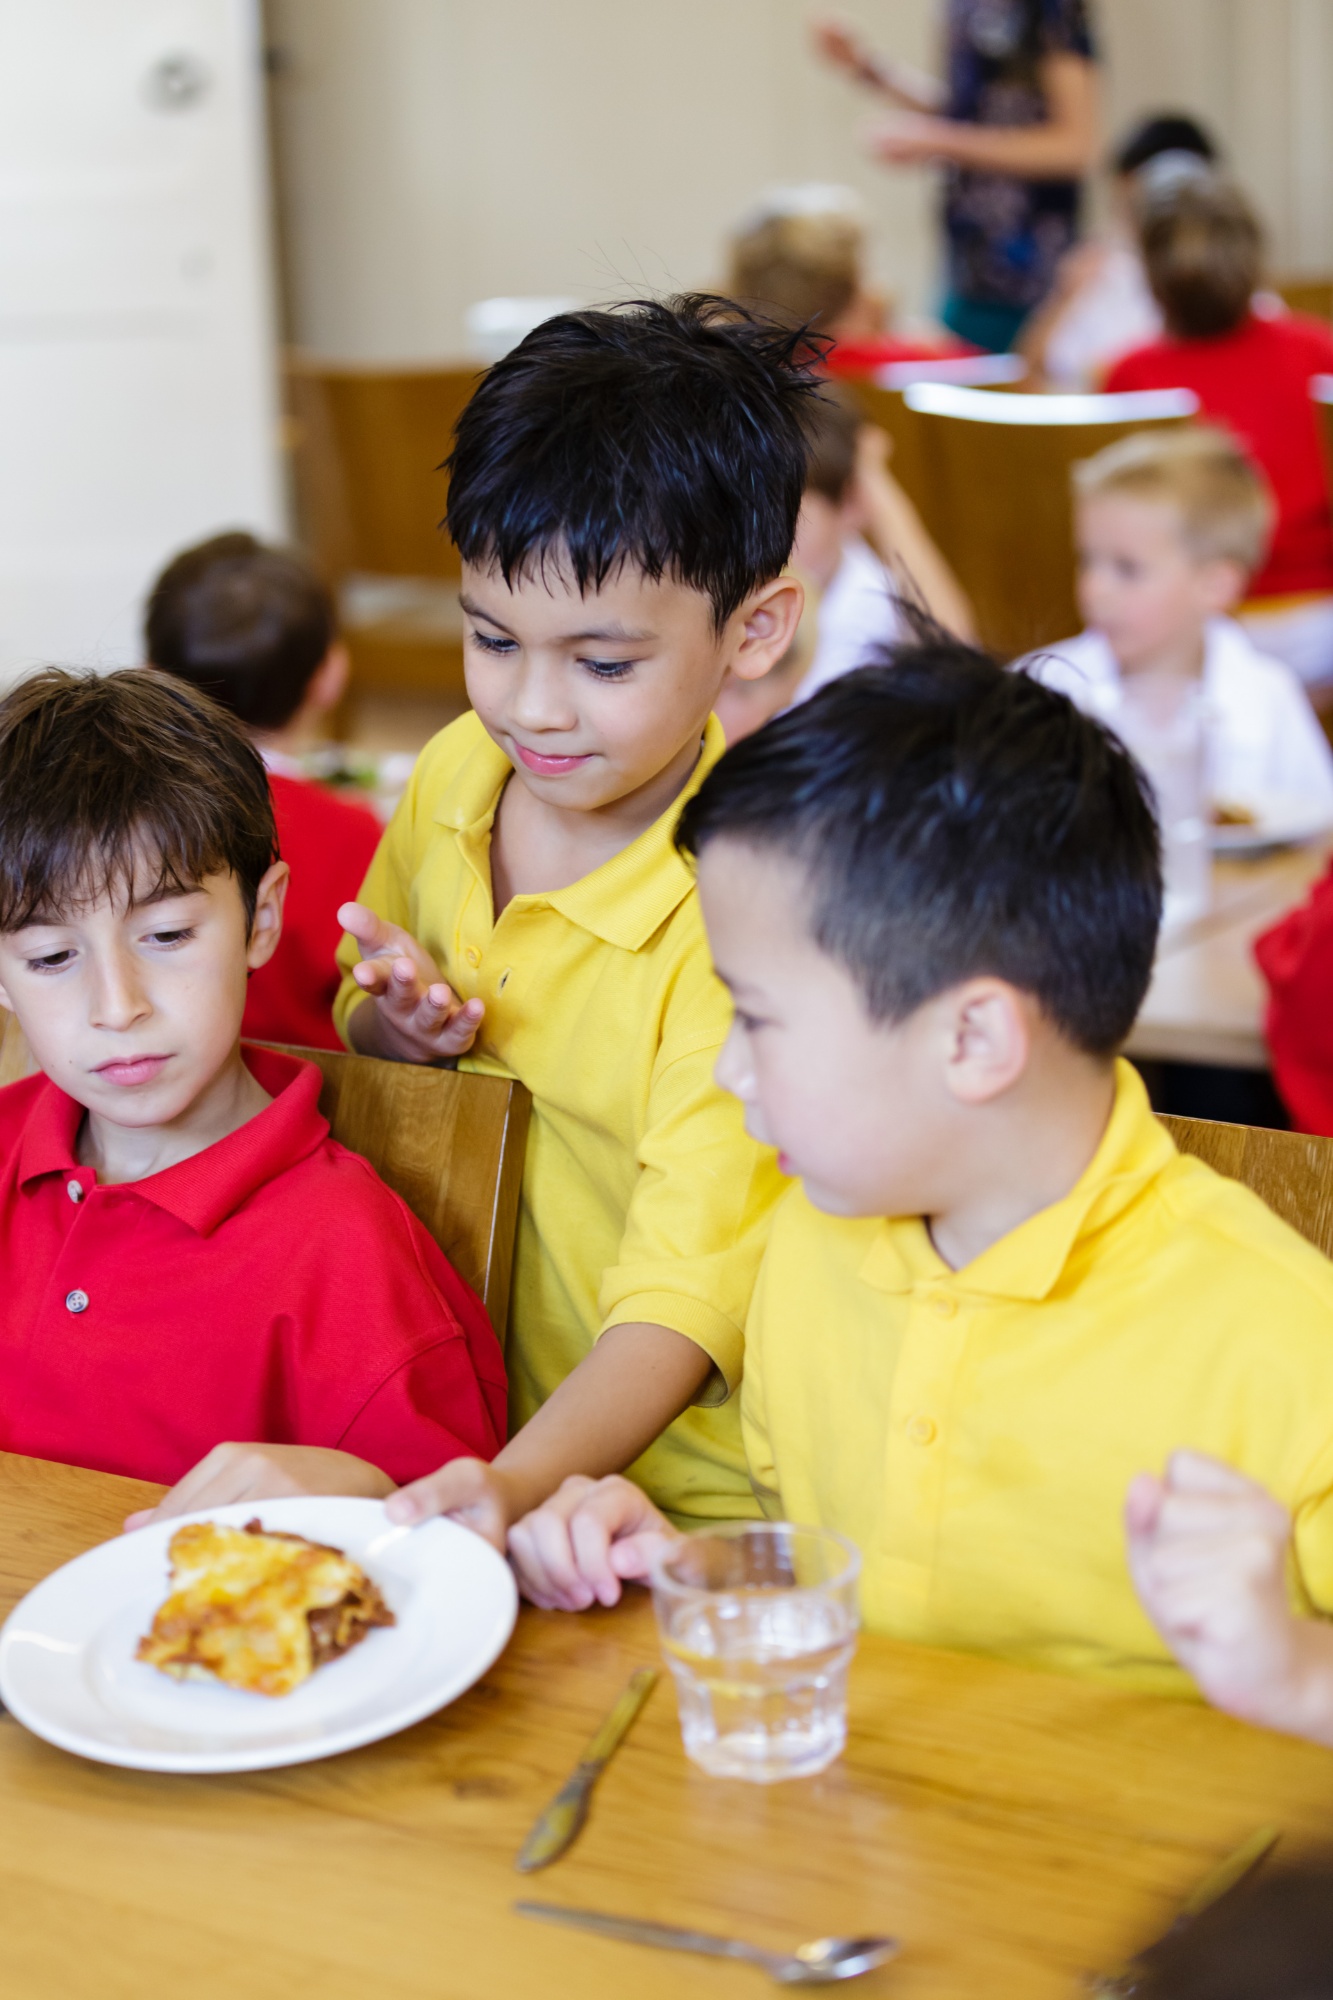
(1190,1515)
(374,935)
(1143,1503)
(540,1548)
(633,1557)
(1195,1472)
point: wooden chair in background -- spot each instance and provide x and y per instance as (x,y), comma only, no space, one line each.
(452,1145)
(997,495)
(881,396)
(1313,295)
(367,445)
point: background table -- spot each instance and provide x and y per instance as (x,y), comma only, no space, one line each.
(1012,1827)
(1206,1001)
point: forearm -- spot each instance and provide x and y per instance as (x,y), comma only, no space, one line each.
(1028,152)
(911,88)
(899,538)
(637,1379)
(1300,1702)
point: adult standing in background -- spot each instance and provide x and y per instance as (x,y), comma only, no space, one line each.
(1016,128)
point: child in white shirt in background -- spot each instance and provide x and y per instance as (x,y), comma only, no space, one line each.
(1170,526)
(860,548)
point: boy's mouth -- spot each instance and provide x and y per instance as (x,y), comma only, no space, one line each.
(548,767)
(129,1070)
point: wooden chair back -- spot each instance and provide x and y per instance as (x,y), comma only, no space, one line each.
(452,1145)
(1313,295)
(367,447)
(998,495)
(881,396)
(1291,1171)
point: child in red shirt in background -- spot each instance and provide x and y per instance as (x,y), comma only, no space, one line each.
(1296,959)
(1202,249)
(188,1256)
(254,628)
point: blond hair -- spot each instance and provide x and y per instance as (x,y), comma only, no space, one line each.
(801,259)
(1225,507)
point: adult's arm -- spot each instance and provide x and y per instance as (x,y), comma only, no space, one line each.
(841,45)
(1063,147)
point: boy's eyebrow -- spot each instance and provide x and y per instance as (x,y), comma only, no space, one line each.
(615,632)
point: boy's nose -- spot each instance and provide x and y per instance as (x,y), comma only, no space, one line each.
(540,700)
(118,998)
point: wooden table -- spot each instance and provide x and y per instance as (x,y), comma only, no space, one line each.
(1012,1827)
(1206,1001)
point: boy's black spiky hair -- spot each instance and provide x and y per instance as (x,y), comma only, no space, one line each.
(667,434)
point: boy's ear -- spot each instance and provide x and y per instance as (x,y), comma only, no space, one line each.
(990,1040)
(267,926)
(1222,585)
(768,621)
(328,683)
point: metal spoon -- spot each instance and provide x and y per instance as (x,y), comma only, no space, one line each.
(817,1964)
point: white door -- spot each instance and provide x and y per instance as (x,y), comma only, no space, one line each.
(137,356)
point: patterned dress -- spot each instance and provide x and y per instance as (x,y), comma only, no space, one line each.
(1005,234)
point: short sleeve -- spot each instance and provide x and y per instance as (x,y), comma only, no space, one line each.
(1312,1516)
(1064,28)
(754,1415)
(386,890)
(704,1195)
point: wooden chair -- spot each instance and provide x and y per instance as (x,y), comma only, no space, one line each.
(882,399)
(451,1145)
(1311,295)
(367,445)
(998,495)
(1292,1172)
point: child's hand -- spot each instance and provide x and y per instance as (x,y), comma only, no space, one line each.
(466,1490)
(418,1018)
(1208,1552)
(578,1547)
(233,1472)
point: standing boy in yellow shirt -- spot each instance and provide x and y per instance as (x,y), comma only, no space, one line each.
(999,1291)
(623,491)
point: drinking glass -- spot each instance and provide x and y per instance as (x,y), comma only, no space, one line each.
(758,1623)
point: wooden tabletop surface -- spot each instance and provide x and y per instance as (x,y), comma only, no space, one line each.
(1206,1002)
(1013,1828)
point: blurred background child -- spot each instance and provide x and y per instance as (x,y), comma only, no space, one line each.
(1101,305)
(1170,525)
(254,627)
(860,546)
(1203,252)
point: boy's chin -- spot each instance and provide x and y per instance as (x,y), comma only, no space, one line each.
(851,1204)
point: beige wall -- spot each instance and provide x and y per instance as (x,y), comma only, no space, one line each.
(434,152)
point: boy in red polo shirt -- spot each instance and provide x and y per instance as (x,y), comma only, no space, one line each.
(188,1255)
(254,628)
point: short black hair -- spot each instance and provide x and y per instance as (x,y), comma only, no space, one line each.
(665,434)
(1162,132)
(102,775)
(955,819)
(246,622)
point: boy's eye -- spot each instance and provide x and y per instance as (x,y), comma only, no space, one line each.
(489,644)
(170,937)
(608,670)
(50,961)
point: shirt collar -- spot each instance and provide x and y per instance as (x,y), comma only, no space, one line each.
(630,896)
(1028,1262)
(203,1191)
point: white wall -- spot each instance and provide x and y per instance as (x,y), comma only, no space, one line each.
(434,152)
(137,360)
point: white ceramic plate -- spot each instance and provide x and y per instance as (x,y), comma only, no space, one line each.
(1278,822)
(68,1671)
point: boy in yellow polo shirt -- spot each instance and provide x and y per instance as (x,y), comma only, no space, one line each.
(999,1292)
(623,490)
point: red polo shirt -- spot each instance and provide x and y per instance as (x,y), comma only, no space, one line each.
(1296,958)
(1256,381)
(271,1288)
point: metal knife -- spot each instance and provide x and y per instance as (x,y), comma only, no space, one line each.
(563,1818)
(1123,1980)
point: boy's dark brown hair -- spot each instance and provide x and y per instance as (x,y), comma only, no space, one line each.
(833,422)
(247,623)
(1203,251)
(124,784)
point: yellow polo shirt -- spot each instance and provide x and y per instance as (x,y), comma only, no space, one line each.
(643,1198)
(974,1431)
